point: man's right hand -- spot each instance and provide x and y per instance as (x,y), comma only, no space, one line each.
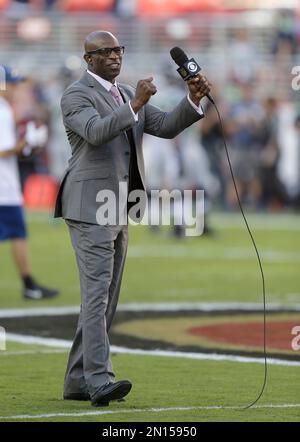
(144,91)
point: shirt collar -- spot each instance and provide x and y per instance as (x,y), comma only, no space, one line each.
(106,84)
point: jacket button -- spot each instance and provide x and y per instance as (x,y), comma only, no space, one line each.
(127,153)
(126,176)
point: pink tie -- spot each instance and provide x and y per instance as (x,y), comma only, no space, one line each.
(116,94)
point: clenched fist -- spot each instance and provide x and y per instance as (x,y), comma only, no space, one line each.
(144,90)
(198,87)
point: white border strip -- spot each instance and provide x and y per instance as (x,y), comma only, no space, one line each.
(38,311)
(204,356)
(231,254)
(154,307)
(146,410)
(61,343)
(38,340)
(32,352)
(206,307)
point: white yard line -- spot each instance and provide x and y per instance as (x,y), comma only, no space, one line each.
(32,352)
(219,220)
(61,343)
(146,410)
(38,311)
(142,307)
(38,340)
(204,356)
(185,251)
(206,307)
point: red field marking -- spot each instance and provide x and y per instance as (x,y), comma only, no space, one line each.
(279,335)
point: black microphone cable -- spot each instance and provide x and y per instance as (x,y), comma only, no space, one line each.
(189,68)
(257,255)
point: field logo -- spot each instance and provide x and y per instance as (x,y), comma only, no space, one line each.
(296,340)
(296,79)
(163,207)
(2,339)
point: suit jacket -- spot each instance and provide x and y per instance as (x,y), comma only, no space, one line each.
(105,141)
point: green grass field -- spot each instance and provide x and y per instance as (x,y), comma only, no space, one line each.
(160,269)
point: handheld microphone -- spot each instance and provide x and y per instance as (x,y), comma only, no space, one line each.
(188,68)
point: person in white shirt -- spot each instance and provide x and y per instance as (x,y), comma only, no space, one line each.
(12,223)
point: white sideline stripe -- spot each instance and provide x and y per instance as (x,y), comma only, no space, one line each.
(38,311)
(178,251)
(146,410)
(142,307)
(31,352)
(206,307)
(219,219)
(61,343)
(38,340)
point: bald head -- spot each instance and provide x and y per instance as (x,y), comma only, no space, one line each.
(106,65)
(96,39)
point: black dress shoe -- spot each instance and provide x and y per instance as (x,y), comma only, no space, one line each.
(77,396)
(111,392)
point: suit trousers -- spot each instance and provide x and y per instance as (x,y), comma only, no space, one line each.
(100,253)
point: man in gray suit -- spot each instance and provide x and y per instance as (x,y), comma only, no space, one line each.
(105,122)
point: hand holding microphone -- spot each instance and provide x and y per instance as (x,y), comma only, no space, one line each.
(199,87)
(189,70)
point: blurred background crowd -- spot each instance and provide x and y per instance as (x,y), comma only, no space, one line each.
(247,49)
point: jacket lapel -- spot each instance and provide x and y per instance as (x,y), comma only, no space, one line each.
(92,82)
(124,94)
